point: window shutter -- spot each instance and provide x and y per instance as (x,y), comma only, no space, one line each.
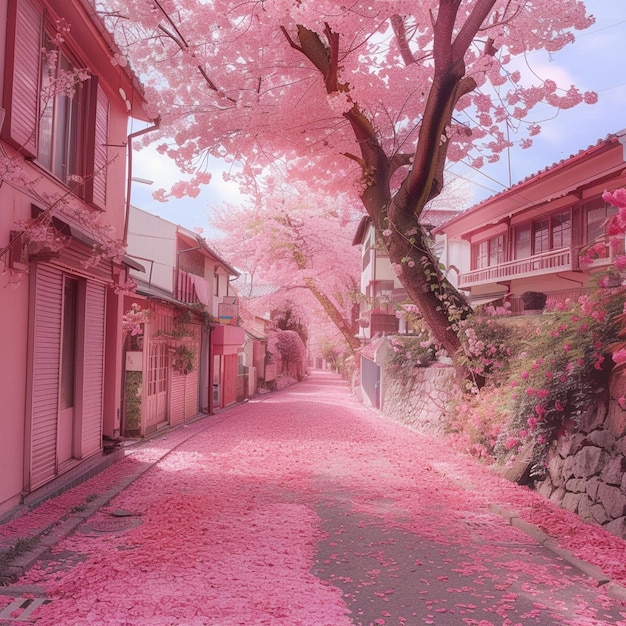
(97,140)
(22,75)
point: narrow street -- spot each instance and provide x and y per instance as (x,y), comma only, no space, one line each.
(305,508)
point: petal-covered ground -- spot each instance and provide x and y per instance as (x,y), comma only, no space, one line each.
(305,508)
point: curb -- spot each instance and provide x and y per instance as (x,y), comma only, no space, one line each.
(613,589)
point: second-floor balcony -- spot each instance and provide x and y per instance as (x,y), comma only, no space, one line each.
(597,254)
(559,260)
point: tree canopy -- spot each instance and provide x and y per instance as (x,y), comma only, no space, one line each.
(296,242)
(365,98)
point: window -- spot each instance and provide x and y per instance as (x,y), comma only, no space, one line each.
(62,114)
(64,130)
(496,251)
(541,236)
(597,214)
(489,253)
(551,232)
(522,241)
(561,225)
(482,255)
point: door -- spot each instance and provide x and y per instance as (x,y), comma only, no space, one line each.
(156,400)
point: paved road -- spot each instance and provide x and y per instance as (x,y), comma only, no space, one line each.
(304,508)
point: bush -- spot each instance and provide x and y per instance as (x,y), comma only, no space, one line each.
(533,300)
(540,373)
(410,352)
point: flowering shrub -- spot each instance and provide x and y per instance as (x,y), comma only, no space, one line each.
(488,340)
(539,373)
(410,352)
(478,422)
(564,366)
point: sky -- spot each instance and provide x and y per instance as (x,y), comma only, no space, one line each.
(595,62)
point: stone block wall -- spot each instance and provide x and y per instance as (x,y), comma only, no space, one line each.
(421,404)
(586,466)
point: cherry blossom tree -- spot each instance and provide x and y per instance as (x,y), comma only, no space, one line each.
(374,97)
(296,242)
(287,346)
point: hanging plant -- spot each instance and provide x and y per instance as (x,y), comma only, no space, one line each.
(184,361)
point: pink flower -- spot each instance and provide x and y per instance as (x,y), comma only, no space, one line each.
(619,356)
(524,375)
(558,406)
(511,442)
(542,393)
(567,347)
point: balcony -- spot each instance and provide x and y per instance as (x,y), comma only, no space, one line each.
(547,263)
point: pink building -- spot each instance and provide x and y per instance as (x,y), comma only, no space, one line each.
(63,161)
(531,237)
(186,361)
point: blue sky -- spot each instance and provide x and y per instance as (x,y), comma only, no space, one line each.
(595,62)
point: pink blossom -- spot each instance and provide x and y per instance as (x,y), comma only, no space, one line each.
(511,442)
(619,356)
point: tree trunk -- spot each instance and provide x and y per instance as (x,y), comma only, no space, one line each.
(346,329)
(440,304)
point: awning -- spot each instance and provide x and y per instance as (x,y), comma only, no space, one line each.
(486,298)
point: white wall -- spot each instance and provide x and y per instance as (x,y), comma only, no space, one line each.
(150,237)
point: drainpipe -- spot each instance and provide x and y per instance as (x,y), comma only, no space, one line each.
(129,177)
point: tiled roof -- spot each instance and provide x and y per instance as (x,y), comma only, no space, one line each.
(608,141)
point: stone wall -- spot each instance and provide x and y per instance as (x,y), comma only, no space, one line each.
(586,468)
(421,404)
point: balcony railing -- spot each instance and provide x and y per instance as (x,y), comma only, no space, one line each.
(185,288)
(548,262)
